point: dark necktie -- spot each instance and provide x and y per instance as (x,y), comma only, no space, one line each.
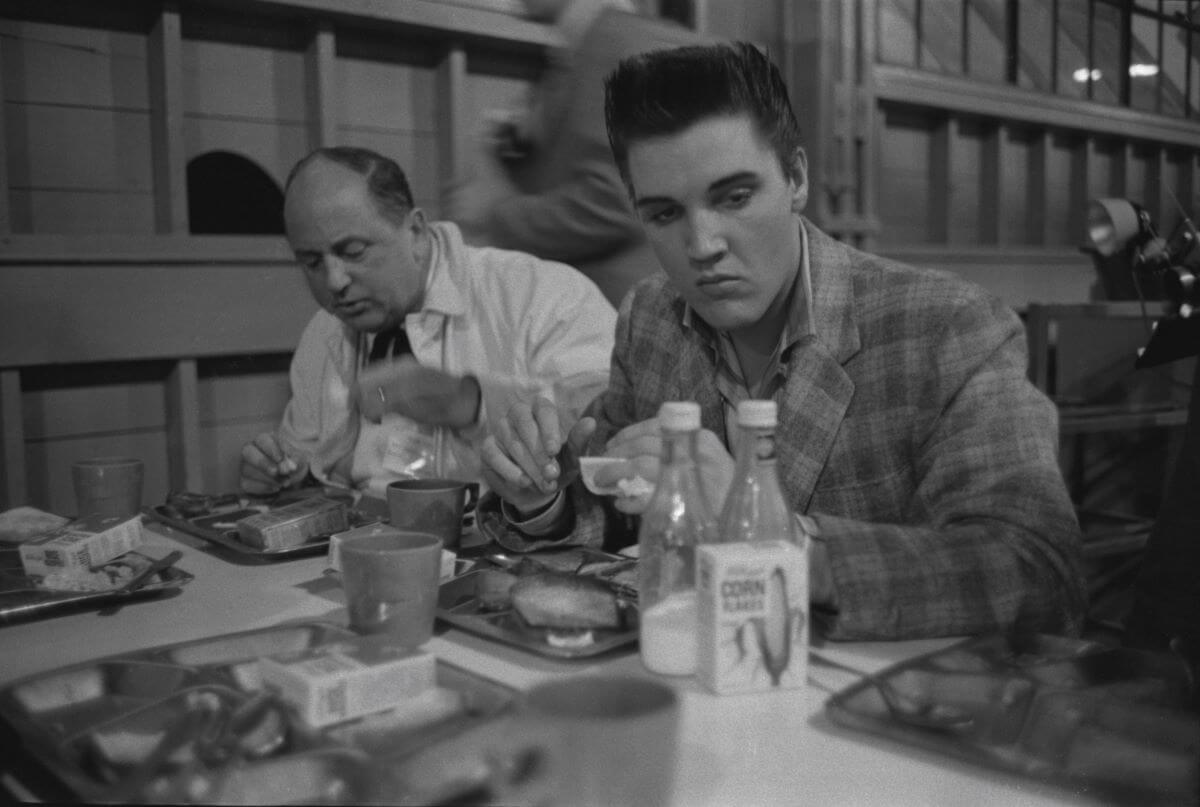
(392,342)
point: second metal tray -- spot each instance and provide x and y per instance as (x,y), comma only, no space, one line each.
(103,729)
(458,604)
(220,528)
(22,598)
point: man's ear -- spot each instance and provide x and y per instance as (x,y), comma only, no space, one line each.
(799,179)
(417,222)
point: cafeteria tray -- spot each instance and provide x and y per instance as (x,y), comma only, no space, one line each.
(137,727)
(22,598)
(1110,721)
(458,604)
(217,525)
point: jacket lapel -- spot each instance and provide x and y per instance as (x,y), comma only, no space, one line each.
(818,389)
(698,382)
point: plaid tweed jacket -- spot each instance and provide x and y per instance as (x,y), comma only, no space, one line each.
(907,428)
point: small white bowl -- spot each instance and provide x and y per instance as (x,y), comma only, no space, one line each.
(631,486)
(587,469)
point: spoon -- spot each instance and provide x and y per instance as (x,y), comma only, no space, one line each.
(937,716)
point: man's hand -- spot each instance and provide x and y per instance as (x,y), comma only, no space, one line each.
(640,444)
(519,457)
(424,394)
(266,467)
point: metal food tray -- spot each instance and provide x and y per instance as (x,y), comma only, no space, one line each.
(1109,721)
(74,721)
(22,599)
(459,606)
(217,527)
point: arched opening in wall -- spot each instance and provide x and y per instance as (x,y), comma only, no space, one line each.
(229,194)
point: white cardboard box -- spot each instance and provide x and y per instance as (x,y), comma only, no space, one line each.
(80,545)
(752,601)
(342,681)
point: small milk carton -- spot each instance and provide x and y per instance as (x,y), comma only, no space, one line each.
(80,545)
(753,616)
(345,680)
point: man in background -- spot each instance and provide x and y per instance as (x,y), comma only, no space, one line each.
(562,198)
(912,447)
(420,338)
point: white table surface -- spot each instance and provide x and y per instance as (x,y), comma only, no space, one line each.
(768,749)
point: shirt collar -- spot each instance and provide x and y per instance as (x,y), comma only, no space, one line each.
(442,295)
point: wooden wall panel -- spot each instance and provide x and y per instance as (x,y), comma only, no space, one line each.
(234,408)
(233,396)
(391,107)
(76,128)
(1014,186)
(274,146)
(966,182)
(235,80)
(54,313)
(386,95)
(77,405)
(904,194)
(1059,200)
(62,64)
(80,148)
(1141,179)
(80,212)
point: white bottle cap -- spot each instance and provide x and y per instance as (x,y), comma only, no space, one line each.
(756,414)
(679,416)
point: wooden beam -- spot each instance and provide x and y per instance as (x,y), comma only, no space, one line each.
(5,212)
(183,427)
(52,314)
(904,85)
(941,169)
(98,249)
(991,182)
(1081,190)
(453,119)
(165,63)
(1036,220)
(320,66)
(15,491)
(504,23)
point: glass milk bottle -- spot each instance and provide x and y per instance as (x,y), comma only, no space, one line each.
(756,509)
(676,520)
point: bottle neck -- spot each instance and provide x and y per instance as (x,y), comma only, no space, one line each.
(679,447)
(757,447)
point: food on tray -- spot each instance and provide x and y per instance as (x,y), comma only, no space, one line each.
(183,504)
(294,524)
(552,600)
(80,545)
(64,689)
(107,578)
(493,588)
(22,523)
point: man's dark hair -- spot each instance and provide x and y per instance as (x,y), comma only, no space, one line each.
(386,181)
(664,92)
